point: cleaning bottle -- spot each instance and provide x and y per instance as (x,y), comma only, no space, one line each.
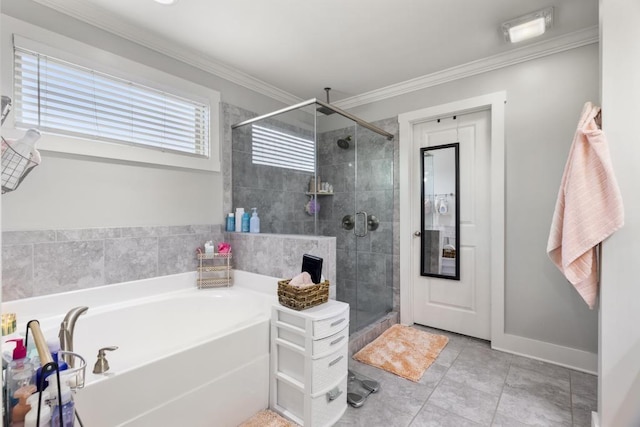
(31,419)
(254,224)
(245,222)
(19,374)
(239,213)
(64,399)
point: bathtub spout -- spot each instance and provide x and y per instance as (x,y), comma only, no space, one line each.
(66,332)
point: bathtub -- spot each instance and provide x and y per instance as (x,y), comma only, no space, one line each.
(185,356)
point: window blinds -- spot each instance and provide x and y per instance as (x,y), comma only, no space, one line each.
(62,98)
(273,148)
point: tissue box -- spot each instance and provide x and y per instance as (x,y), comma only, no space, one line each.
(302,298)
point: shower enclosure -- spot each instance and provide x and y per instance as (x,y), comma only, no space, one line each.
(317,170)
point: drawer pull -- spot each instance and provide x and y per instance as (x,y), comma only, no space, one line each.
(337,322)
(333,394)
(333,362)
(337,340)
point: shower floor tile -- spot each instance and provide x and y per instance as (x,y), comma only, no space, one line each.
(473,385)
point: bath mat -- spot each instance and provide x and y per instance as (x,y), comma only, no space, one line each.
(404,351)
(267,418)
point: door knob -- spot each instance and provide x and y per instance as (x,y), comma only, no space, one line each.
(417,233)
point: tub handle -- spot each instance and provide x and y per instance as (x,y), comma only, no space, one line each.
(337,322)
(333,362)
(337,340)
(333,394)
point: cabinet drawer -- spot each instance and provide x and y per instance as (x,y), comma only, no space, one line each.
(327,408)
(331,342)
(326,371)
(324,328)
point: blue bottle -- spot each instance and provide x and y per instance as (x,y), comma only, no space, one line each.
(245,222)
(231,222)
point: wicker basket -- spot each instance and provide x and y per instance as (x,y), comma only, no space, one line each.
(302,298)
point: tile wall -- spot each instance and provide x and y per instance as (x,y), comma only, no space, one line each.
(50,261)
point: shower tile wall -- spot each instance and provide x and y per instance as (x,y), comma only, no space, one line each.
(278,193)
(376,269)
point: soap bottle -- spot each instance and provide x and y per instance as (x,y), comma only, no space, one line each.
(254,224)
(239,213)
(65,400)
(19,374)
(231,222)
(31,419)
(245,222)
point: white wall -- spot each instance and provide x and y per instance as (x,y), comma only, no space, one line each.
(619,367)
(545,98)
(75,192)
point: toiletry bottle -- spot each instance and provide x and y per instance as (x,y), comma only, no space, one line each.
(239,213)
(22,407)
(65,400)
(31,419)
(19,374)
(245,222)
(254,224)
(231,222)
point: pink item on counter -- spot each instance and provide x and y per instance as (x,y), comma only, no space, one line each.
(302,280)
(224,248)
(589,207)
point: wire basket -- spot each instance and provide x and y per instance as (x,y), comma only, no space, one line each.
(15,167)
(76,374)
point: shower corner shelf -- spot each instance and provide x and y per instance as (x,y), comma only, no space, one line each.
(319,193)
(214,270)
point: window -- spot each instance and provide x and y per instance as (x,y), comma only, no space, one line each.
(63,98)
(274,148)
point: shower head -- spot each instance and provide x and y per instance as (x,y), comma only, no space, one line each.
(344,142)
(324,110)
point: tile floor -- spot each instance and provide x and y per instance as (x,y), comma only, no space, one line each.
(471,385)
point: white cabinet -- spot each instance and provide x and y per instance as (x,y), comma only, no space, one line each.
(309,363)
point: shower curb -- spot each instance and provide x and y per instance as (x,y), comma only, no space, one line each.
(369,333)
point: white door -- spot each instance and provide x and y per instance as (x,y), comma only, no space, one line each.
(462,306)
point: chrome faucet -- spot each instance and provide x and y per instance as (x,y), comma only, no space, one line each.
(66,332)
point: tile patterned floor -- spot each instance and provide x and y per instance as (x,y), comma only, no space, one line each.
(471,385)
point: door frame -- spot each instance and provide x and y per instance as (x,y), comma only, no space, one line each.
(495,103)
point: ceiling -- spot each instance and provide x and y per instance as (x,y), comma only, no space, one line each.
(353,46)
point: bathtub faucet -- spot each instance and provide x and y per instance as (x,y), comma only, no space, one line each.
(66,332)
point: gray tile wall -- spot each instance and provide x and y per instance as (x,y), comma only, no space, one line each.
(44,262)
(280,255)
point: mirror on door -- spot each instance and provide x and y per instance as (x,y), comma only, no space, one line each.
(440,219)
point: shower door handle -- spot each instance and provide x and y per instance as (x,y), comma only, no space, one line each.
(364,224)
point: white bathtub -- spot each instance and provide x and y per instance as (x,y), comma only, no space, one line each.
(186,356)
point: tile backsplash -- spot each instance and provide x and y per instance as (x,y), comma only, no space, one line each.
(42,262)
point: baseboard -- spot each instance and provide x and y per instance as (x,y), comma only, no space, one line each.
(568,357)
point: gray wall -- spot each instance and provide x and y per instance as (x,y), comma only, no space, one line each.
(72,192)
(544,100)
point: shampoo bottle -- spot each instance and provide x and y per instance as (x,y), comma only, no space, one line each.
(254,224)
(239,213)
(245,222)
(231,222)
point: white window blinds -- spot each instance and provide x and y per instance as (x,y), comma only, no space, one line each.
(62,98)
(274,148)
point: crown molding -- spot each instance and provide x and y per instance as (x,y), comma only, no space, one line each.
(562,43)
(98,17)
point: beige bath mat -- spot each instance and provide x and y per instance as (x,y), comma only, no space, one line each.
(267,418)
(404,351)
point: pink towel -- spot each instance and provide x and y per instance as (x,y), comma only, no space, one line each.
(589,207)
